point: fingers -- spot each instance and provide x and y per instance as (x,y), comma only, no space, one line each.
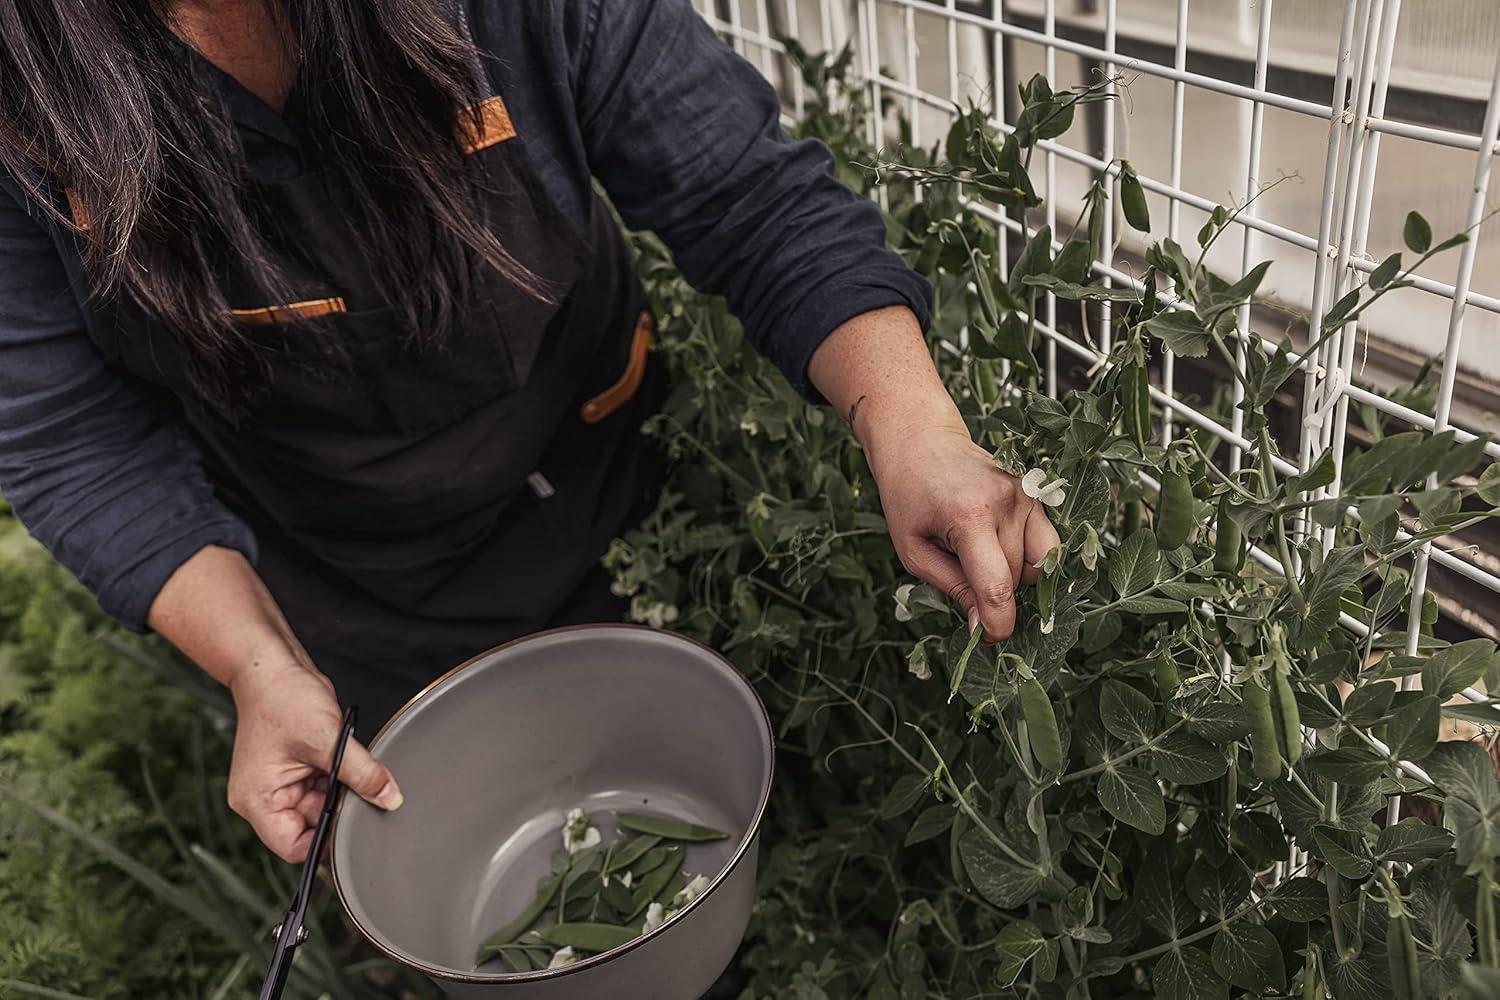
(368,778)
(923,558)
(1040,538)
(284,831)
(987,574)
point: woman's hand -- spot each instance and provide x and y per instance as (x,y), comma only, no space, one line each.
(217,611)
(957,521)
(289,720)
(960,523)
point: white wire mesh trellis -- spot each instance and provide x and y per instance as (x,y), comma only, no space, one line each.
(1368,113)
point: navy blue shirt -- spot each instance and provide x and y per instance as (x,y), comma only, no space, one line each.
(639,95)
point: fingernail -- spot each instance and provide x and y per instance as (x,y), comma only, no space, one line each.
(973,619)
(389,798)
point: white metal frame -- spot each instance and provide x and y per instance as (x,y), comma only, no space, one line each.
(1356,121)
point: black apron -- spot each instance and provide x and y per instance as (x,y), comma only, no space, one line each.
(416,506)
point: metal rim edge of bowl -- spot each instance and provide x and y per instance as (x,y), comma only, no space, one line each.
(750,837)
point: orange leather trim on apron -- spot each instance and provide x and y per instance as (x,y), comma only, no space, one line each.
(310,309)
(494,125)
(76,207)
(615,396)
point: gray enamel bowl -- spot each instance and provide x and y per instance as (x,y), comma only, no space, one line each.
(491,757)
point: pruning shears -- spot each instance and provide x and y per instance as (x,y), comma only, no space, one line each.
(291,932)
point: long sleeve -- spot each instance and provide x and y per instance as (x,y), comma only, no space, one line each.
(685,137)
(106,480)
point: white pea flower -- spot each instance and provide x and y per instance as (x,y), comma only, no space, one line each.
(653,613)
(750,426)
(1034,484)
(627,878)
(916,662)
(656,915)
(695,888)
(903,595)
(578,832)
(563,957)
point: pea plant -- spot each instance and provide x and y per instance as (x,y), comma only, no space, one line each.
(1182,776)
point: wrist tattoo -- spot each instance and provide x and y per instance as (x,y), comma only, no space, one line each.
(855,409)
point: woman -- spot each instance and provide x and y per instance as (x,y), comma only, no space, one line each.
(320,357)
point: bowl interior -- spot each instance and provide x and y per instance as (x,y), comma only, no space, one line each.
(490,759)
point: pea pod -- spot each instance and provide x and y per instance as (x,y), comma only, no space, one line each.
(670,829)
(1288,718)
(1130,521)
(590,937)
(1174,514)
(650,885)
(1229,542)
(1135,400)
(1168,678)
(546,889)
(1041,725)
(1401,952)
(630,852)
(1133,199)
(1265,752)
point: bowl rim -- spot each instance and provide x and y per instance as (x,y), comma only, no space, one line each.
(749,839)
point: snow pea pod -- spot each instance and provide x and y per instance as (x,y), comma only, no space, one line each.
(1401,950)
(631,852)
(1265,752)
(651,885)
(1168,678)
(505,935)
(1133,199)
(1288,718)
(1041,725)
(1135,397)
(1174,514)
(1229,542)
(590,937)
(669,829)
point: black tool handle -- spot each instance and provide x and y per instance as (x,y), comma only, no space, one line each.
(290,932)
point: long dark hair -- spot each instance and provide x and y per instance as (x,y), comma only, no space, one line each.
(97,96)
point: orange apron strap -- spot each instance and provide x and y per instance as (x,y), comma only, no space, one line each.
(312,308)
(615,396)
(494,125)
(76,207)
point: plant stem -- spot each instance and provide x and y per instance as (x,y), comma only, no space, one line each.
(1122,758)
(1484,916)
(1197,935)
(1332,880)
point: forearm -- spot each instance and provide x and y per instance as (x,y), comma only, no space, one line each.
(216,610)
(875,370)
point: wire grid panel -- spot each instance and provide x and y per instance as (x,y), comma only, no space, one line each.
(1326,121)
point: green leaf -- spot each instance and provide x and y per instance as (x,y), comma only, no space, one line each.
(1385,273)
(1300,899)
(1345,850)
(1372,470)
(1366,706)
(1132,796)
(905,792)
(998,879)
(1161,895)
(1261,838)
(1325,589)
(1488,487)
(1410,841)
(1181,331)
(1319,475)
(930,822)
(1413,730)
(1018,943)
(1126,713)
(1350,765)
(1216,891)
(1249,956)
(1218,721)
(1135,565)
(1187,974)
(1188,760)
(1451,670)
(1416,233)
(1465,775)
